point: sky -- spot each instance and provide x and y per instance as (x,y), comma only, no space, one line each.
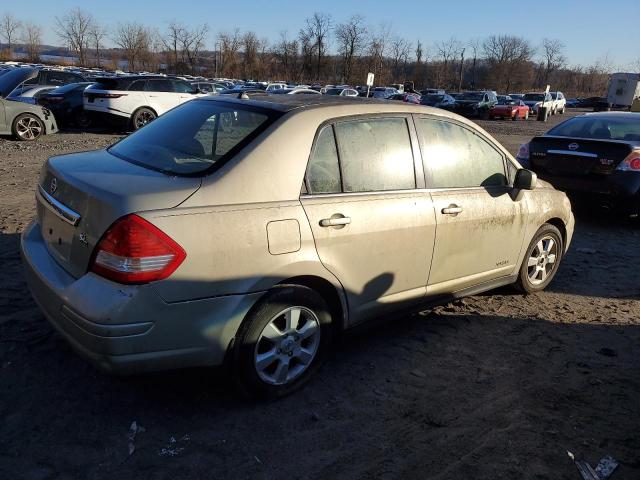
(591,30)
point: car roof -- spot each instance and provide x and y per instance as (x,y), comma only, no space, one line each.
(287,103)
(612,115)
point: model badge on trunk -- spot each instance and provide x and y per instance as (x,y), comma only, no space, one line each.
(53,186)
(574,146)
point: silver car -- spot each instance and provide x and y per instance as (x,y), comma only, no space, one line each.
(250,231)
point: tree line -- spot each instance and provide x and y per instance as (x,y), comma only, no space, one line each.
(322,50)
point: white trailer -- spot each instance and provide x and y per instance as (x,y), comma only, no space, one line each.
(624,88)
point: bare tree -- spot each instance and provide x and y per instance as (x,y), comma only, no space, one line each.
(74,28)
(251,49)
(508,55)
(32,38)
(553,57)
(286,54)
(230,44)
(307,54)
(474,45)
(135,40)
(9,28)
(97,33)
(399,53)
(192,42)
(448,50)
(378,47)
(317,29)
(351,37)
(171,42)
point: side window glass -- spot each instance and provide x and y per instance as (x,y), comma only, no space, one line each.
(137,86)
(457,158)
(323,172)
(375,155)
(159,86)
(183,87)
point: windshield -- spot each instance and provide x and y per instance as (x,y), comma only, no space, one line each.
(333,91)
(600,128)
(534,97)
(192,138)
(471,96)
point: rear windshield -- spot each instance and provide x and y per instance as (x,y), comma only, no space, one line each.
(600,128)
(534,97)
(194,138)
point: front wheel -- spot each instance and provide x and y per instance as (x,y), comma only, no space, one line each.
(282,342)
(27,127)
(541,261)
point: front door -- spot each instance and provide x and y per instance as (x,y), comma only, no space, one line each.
(373,230)
(480,225)
(161,96)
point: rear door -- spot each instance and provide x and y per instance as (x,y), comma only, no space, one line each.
(373,229)
(480,227)
(161,95)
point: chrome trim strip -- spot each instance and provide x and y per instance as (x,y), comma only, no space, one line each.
(59,209)
(575,154)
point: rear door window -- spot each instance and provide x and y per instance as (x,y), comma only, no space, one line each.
(183,87)
(138,86)
(375,155)
(323,171)
(455,157)
(160,85)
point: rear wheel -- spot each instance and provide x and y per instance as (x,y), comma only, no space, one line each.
(141,117)
(282,342)
(515,116)
(27,127)
(541,261)
(82,119)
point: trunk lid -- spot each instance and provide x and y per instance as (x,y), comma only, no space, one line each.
(80,195)
(562,156)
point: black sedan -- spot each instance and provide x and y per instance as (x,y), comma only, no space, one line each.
(66,104)
(596,154)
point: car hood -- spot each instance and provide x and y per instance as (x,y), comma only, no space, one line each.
(10,80)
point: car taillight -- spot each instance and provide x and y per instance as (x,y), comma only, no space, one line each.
(523,152)
(52,99)
(133,250)
(631,163)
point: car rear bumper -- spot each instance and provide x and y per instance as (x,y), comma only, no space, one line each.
(618,188)
(129,328)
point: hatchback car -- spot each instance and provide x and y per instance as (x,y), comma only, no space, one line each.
(250,231)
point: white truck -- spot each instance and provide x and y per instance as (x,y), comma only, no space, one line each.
(623,89)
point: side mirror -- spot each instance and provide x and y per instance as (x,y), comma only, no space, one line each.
(525,180)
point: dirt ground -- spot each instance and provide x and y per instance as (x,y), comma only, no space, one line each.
(496,386)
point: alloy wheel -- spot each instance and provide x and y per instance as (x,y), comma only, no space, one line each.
(144,117)
(287,345)
(542,260)
(28,128)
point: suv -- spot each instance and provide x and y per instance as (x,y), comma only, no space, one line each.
(476,104)
(138,99)
(559,103)
(55,77)
(169,249)
(535,100)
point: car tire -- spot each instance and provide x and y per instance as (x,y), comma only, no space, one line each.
(27,127)
(142,117)
(82,119)
(515,116)
(484,114)
(273,357)
(541,261)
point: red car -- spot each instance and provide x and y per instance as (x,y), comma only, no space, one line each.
(508,107)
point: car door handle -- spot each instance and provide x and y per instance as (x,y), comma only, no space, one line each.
(335,221)
(452,210)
